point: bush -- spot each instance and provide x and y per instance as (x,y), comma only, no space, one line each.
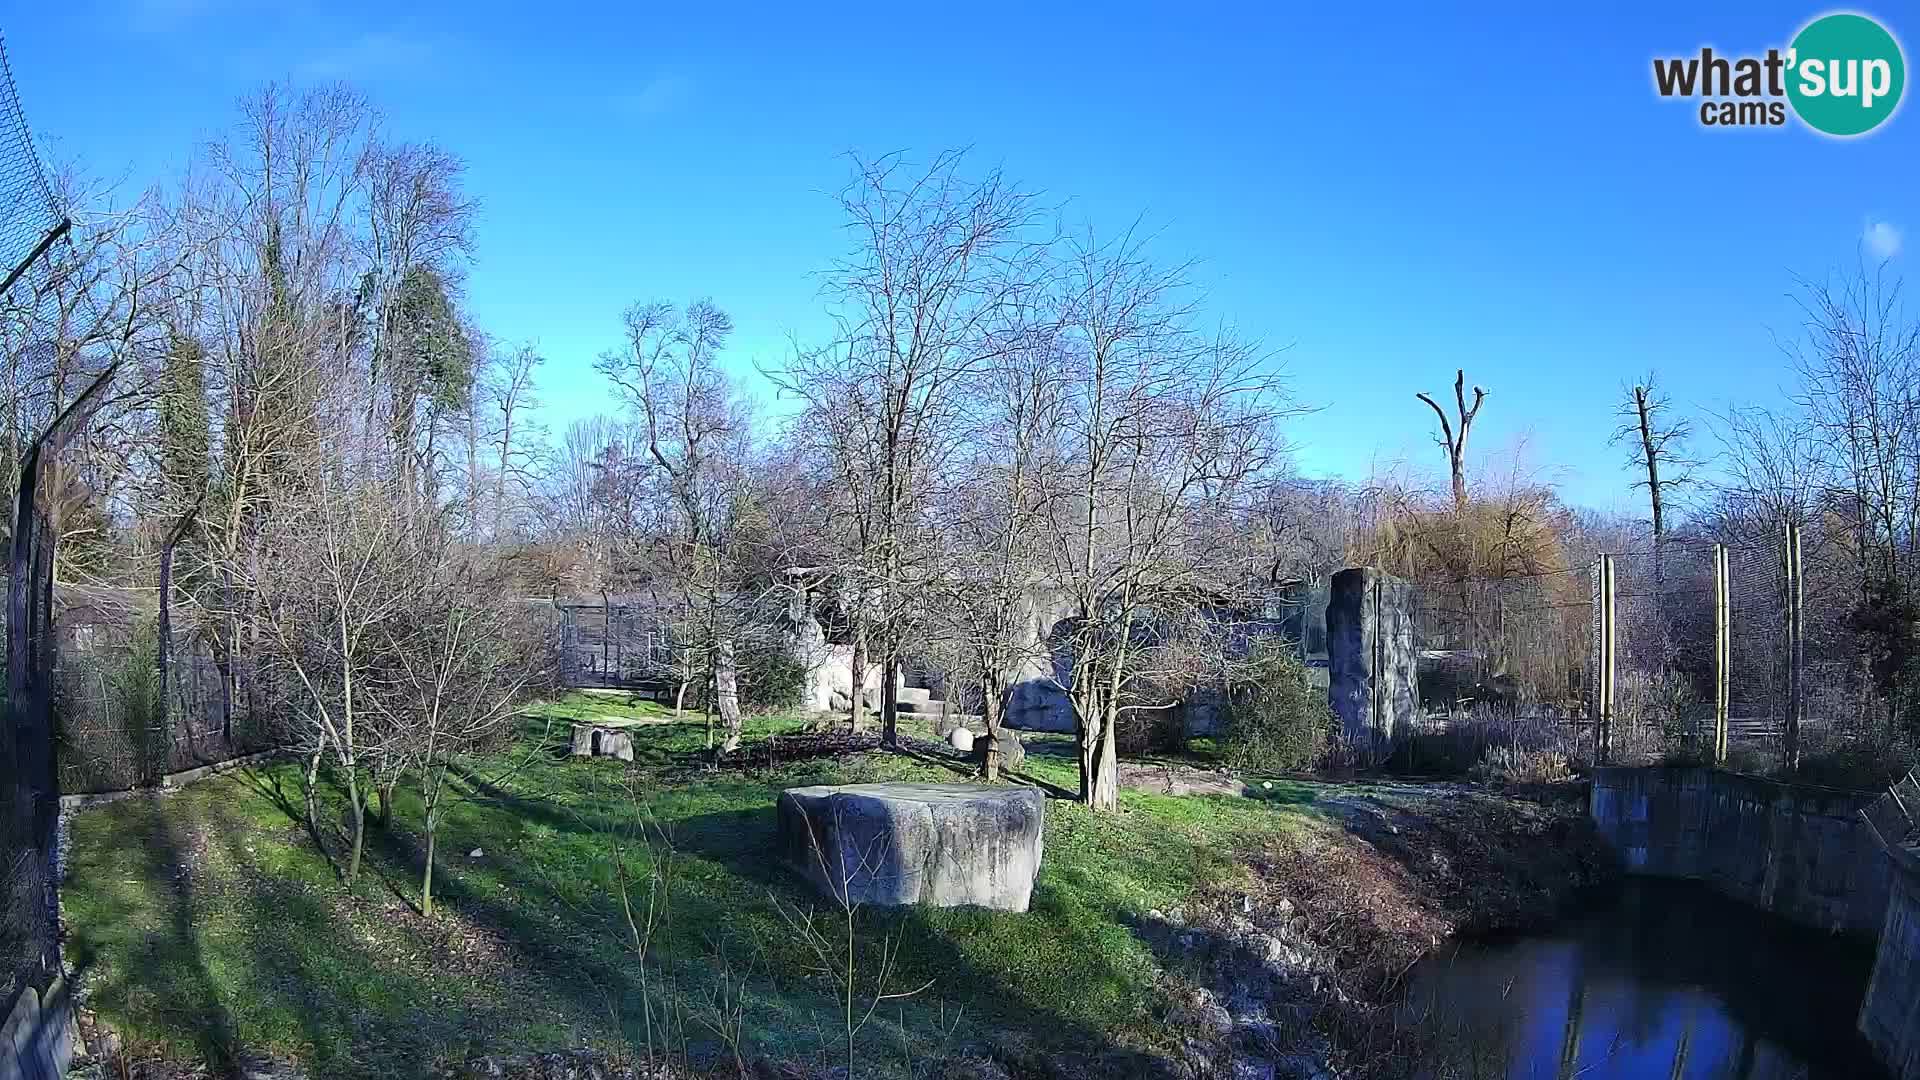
(1520,765)
(1146,731)
(1276,720)
(771,678)
(106,709)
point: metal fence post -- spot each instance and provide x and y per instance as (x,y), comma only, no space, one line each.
(1796,648)
(1722,652)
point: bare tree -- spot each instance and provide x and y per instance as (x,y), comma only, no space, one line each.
(463,661)
(335,574)
(1659,447)
(1161,431)
(1454,443)
(693,426)
(936,262)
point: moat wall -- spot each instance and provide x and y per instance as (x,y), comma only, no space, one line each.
(1804,853)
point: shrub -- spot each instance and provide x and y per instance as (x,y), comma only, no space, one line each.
(772,677)
(1520,765)
(1145,731)
(106,707)
(1276,719)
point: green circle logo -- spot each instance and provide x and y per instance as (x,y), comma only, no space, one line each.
(1846,73)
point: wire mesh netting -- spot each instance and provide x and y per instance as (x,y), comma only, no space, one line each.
(621,642)
(1757,641)
(1519,641)
(1533,648)
(112,733)
(29,215)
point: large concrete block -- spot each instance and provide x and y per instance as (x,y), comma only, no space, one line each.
(942,845)
(1373,678)
(593,740)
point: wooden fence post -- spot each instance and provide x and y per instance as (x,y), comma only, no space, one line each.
(1603,697)
(1722,652)
(1796,648)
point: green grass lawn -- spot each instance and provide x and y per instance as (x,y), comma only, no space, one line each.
(207,925)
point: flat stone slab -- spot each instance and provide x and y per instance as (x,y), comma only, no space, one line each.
(897,844)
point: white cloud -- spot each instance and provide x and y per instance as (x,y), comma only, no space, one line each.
(1881,239)
(662,93)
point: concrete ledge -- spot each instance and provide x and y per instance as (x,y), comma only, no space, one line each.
(168,782)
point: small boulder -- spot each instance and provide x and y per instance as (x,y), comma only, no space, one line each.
(961,739)
(1013,753)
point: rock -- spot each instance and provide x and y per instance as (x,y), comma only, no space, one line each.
(592,740)
(1013,753)
(896,844)
(1204,1014)
(961,739)
(1372,658)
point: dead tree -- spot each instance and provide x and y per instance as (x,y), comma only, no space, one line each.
(1658,448)
(1455,444)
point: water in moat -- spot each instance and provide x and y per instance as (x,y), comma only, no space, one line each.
(1659,979)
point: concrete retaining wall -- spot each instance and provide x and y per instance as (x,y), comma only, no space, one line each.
(1890,1015)
(1805,853)
(1800,852)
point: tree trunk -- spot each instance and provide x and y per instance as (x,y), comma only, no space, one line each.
(726,693)
(386,803)
(359,808)
(426,875)
(890,699)
(313,805)
(680,697)
(990,710)
(1106,768)
(1652,455)
(858,667)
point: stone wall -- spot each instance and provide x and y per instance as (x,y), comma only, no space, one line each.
(1800,852)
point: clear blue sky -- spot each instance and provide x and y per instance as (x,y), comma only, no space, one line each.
(1390,191)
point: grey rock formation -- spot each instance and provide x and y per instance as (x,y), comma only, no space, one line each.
(1036,701)
(1371,657)
(1013,752)
(895,844)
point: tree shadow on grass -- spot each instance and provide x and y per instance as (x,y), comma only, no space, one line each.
(166,969)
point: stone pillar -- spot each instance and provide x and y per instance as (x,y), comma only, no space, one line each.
(1373,682)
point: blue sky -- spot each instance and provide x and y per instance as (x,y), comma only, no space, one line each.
(1385,191)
